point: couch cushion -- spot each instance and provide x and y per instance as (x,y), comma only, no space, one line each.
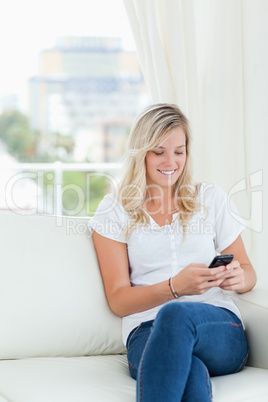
(52,301)
(81,379)
(254,309)
(106,378)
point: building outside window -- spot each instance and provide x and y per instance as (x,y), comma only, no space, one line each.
(87,89)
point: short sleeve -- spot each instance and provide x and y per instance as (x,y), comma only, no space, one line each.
(110,219)
(228,223)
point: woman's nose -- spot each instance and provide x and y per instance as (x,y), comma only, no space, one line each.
(169,159)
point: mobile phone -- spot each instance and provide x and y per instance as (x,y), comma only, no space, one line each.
(221,260)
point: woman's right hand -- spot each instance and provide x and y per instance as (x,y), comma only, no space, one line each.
(196,279)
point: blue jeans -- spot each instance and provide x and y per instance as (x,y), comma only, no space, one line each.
(173,356)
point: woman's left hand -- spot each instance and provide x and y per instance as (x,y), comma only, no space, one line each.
(235,277)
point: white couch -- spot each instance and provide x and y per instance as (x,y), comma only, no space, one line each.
(59,342)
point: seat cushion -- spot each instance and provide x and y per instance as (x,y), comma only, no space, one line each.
(105,378)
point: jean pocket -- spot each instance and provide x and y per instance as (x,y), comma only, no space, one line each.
(133,333)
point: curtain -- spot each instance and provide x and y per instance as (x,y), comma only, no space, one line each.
(210,57)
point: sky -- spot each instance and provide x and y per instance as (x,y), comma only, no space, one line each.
(28,26)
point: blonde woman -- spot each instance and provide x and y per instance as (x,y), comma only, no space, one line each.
(154,241)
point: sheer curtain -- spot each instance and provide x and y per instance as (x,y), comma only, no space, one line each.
(165,38)
(210,57)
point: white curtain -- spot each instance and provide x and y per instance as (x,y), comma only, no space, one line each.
(210,57)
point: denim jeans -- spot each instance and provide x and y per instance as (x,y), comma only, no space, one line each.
(173,356)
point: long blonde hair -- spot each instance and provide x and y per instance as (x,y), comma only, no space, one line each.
(149,130)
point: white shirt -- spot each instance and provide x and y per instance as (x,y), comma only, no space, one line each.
(157,253)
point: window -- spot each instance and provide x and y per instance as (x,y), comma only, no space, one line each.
(69,93)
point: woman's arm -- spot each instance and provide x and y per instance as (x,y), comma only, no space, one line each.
(114,266)
(124,299)
(242,276)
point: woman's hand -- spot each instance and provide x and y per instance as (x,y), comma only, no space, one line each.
(239,275)
(242,276)
(235,280)
(196,279)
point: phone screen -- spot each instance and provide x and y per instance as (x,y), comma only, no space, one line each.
(221,260)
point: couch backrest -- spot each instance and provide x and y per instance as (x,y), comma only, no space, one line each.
(52,301)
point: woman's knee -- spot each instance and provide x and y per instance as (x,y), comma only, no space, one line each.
(175,312)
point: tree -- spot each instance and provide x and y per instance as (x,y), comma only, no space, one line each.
(21,141)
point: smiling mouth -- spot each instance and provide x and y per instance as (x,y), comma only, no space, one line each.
(167,172)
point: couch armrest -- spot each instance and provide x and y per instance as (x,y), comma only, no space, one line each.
(253,306)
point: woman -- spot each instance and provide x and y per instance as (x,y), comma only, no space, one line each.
(154,242)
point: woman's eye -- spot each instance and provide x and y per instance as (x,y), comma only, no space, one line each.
(161,153)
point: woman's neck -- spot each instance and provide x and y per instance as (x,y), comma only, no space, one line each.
(163,203)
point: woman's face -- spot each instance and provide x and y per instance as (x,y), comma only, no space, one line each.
(165,163)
